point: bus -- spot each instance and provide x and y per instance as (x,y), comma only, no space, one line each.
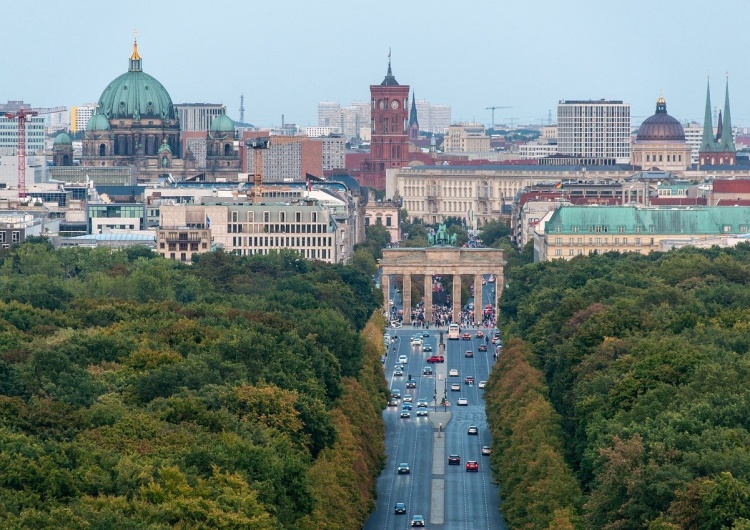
(453,332)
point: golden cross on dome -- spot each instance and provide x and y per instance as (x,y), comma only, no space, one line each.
(135,56)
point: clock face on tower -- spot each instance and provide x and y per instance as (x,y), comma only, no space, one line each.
(394,104)
(382,103)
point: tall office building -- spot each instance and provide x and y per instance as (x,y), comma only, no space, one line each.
(348,120)
(80,116)
(597,132)
(198,116)
(329,114)
(434,118)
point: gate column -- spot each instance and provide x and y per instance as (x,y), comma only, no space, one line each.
(428,298)
(457,298)
(385,284)
(406,297)
(478,299)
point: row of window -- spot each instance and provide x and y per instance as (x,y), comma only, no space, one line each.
(235,217)
(282,242)
(15,237)
(309,253)
(638,229)
(579,252)
(637,241)
(258,228)
(674,158)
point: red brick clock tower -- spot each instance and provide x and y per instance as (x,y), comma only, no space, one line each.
(389,144)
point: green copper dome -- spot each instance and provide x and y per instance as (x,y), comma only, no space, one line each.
(222,124)
(97,122)
(62,139)
(136,95)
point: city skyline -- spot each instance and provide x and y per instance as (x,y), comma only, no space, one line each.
(486,54)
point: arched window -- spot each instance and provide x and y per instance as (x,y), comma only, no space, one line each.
(227,149)
(102,150)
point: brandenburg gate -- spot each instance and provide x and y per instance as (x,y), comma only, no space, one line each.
(441,261)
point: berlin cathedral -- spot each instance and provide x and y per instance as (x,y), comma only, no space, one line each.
(137,125)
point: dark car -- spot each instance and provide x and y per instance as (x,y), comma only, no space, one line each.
(400,508)
(454,460)
(427,348)
(406,406)
(411,384)
(436,359)
(393,403)
(482,347)
(466,336)
(417,520)
(469,380)
(427,370)
(479,335)
(472,465)
(403,469)
(473,429)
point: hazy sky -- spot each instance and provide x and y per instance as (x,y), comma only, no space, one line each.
(286,56)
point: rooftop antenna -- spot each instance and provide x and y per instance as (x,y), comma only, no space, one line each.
(242,108)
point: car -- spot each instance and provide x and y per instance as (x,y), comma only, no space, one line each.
(422,402)
(466,336)
(400,508)
(468,353)
(436,359)
(403,468)
(427,370)
(454,460)
(453,372)
(482,347)
(396,393)
(411,384)
(482,384)
(427,348)
(422,412)
(486,450)
(406,406)
(473,429)
(479,334)
(469,380)
(462,401)
(472,465)
(417,520)
(405,414)
(403,359)
(425,334)
(495,340)
(455,387)
(398,366)
(416,341)
(408,398)
(393,403)
(398,372)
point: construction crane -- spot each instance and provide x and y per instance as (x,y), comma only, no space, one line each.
(493,113)
(22,116)
(258,145)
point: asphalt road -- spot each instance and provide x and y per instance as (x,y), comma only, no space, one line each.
(448,497)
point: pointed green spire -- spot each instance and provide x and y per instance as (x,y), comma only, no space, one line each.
(707,142)
(413,114)
(727,141)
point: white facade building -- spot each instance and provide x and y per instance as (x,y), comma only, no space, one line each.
(317,132)
(693,137)
(198,116)
(539,149)
(334,148)
(36,164)
(595,131)
(433,117)
(329,114)
(80,115)
(466,138)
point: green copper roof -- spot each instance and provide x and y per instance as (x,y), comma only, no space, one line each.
(413,114)
(136,95)
(726,144)
(707,142)
(97,122)
(222,124)
(62,138)
(627,220)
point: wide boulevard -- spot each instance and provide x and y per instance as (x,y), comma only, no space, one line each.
(447,496)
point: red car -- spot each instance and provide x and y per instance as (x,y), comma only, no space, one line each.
(466,336)
(469,380)
(479,335)
(454,460)
(436,359)
(472,465)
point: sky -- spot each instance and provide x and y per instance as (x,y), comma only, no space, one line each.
(285,56)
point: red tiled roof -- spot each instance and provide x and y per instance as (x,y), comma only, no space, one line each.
(732,186)
(733,202)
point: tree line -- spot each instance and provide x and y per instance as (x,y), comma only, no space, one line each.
(236,392)
(621,401)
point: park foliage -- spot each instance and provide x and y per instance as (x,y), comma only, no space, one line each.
(140,393)
(621,400)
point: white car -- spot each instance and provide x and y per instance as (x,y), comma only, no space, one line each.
(402,359)
(407,398)
(455,387)
(462,401)
(416,341)
(422,412)
(482,384)
(453,372)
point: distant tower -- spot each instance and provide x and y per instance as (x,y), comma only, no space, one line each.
(242,108)
(389,144)
(413,121)
(719,149)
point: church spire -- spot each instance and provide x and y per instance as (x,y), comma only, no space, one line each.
(413,114)
(707,142)
(727,142)
(135,58)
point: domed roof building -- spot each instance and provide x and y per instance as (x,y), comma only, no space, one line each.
(660,143)
(136,126)
(62,150)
